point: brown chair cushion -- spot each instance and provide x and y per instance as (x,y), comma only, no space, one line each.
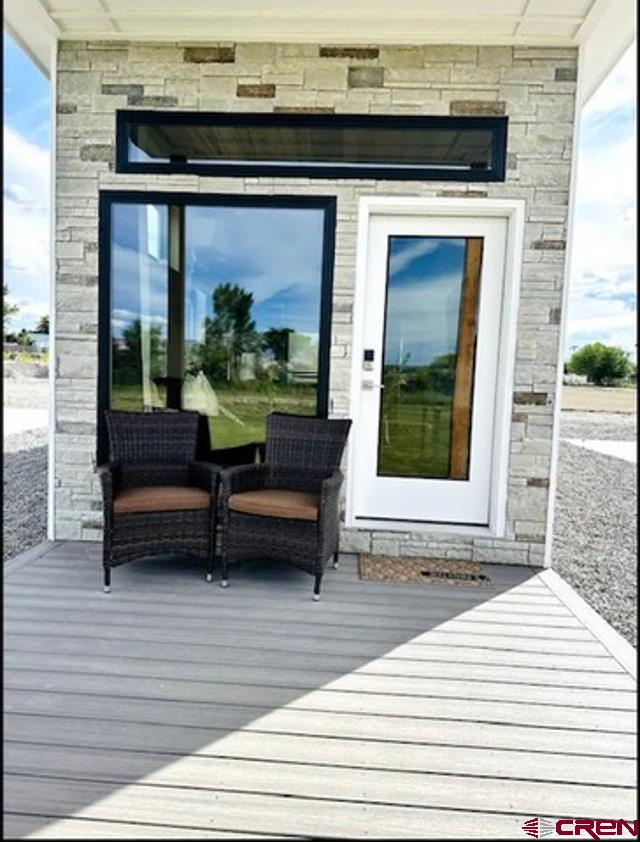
(160,498)
(272,502)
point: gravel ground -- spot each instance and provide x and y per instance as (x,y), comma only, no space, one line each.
(26,392)
(599,425)
(25,472)
(25,491)
(595,535)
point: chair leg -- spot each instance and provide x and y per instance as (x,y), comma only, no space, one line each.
(316,587)
(106,587)
(213,534)
(336,561)
(224,582)
(224,552)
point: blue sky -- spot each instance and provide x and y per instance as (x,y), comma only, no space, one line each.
(423,298)
(27,137)
(602,292)
(273,253)
(603,272)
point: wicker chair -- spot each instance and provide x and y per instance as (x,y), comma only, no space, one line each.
(158,500)
(288,507)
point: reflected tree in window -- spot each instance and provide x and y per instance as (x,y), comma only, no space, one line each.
(252,289)
(227,336)
(127,353)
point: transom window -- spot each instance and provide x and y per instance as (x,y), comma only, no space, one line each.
(313,145)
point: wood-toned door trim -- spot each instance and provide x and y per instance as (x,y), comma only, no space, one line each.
(461,409)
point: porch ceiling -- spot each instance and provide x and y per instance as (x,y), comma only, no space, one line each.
(505,21)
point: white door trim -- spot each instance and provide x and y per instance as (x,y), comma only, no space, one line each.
(513,211)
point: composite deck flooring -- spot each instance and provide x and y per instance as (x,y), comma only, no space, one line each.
(172,708)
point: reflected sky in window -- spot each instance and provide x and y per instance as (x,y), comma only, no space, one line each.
(424,286)
(139,262)
(273,253)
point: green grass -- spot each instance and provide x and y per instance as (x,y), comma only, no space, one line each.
(415,434)
(415,440)
(243,408)
(41,357)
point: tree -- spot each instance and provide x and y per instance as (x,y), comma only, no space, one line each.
(276,340)
(43,325)
(127,360)
(24,340)
(230,333)
(603,365)
(8,309)
(438,376)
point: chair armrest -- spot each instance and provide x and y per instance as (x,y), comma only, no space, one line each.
(110,476)
(330,489)
(242,478)
(329,514)
(205,475)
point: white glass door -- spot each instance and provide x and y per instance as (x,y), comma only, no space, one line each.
(428,374)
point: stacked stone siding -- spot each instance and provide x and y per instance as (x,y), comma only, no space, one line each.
(534,87)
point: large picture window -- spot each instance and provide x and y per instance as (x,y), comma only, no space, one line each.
(215,304)
(313,145)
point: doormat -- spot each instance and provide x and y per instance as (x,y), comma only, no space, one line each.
(423,571)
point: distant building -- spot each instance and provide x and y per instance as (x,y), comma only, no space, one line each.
(575,379)
(40,341)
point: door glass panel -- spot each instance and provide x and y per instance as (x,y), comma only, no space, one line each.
(253,278)
(433,286)
(139,266)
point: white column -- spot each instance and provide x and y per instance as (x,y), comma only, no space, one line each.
(51,453)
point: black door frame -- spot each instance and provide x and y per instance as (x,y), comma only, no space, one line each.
(107,198)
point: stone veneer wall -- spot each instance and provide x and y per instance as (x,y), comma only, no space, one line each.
(534,86)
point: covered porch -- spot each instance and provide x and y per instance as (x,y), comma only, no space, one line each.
(171,708)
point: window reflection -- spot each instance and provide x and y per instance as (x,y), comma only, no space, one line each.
(216,309)
(139,255)
(430,323)
(253,279)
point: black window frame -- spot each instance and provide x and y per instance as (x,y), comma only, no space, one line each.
(497,171)
(107,198)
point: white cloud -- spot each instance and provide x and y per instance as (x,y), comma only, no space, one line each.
(26,226)
(406,255)
(422,319)
(265,250)
(618,89)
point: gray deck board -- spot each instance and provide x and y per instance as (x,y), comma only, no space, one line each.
(255,668)
(325,653)
(295,748)
(172,709)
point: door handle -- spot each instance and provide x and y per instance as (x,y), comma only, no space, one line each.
(369,385)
